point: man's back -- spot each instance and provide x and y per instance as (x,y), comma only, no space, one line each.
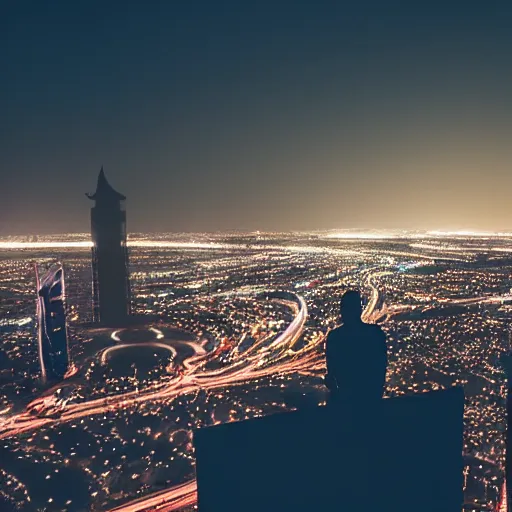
(357,360)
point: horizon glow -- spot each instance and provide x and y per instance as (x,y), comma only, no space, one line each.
(339,235)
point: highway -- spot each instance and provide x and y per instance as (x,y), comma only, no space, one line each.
(370,312)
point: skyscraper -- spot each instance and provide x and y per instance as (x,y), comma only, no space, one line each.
(111,285)
(52,329)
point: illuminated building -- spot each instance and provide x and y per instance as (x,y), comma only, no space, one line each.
(52,329)
(503,503)
(111,285)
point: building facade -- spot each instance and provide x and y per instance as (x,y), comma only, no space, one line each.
(111,285)
(52,327)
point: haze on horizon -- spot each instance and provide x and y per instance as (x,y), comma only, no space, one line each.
(260,115)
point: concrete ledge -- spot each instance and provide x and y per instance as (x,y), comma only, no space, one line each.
(401,454)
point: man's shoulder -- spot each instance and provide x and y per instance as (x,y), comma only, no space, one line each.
(342,331)
(377,331)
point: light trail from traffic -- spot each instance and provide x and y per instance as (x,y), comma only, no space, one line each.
(108,351)
(266,361)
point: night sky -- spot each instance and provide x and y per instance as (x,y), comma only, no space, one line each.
(269,115)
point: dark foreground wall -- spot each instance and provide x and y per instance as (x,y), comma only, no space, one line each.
(403,455)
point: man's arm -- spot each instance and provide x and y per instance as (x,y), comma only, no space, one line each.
(330,380)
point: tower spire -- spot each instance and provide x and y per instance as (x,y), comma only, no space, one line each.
(104,190)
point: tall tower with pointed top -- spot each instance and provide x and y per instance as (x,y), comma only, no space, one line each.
(111,285)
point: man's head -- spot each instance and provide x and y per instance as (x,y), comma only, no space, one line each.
(351,308)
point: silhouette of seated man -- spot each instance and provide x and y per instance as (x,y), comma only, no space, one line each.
(356,355)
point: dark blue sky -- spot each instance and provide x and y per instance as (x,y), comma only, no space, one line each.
(257,115)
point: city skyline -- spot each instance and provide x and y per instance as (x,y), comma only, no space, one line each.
(84,239)
(258,116)
(232,330)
